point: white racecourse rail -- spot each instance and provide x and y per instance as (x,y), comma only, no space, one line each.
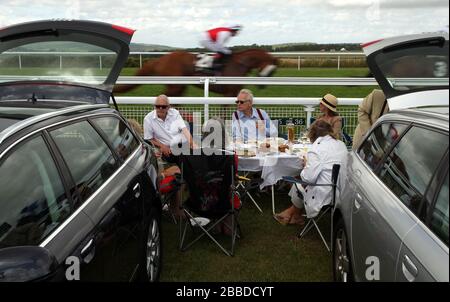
(297,108)
(298,55)
(303,107)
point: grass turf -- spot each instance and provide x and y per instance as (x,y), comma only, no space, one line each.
(278,91)
(267,252)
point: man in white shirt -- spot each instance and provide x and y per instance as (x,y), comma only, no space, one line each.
(248,123)
(164,128)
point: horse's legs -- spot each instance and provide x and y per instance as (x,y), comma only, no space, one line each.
(175,90)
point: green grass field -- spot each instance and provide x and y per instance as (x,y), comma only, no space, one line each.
(279,91)
(269,91)
(267,251)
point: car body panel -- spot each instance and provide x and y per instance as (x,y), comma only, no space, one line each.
(428,255)
(375,222)
(117,211)
(77,227)
(383,226)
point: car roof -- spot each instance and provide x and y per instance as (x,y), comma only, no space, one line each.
(17,119)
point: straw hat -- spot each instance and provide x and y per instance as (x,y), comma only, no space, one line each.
(330,101)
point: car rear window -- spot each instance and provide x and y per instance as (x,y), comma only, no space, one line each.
(403,65)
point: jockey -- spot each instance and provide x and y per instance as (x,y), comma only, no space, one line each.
(215,39)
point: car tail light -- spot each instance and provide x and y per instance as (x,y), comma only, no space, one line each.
(370,43)
(126,30)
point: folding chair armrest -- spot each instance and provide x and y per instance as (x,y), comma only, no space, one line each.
(292,179)
(243,178)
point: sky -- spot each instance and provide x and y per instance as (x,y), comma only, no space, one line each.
(179,23)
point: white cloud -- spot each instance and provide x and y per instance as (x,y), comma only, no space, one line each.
(179,22)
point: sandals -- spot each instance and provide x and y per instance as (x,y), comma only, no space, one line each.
(289,220)
(282,219)
(297,220)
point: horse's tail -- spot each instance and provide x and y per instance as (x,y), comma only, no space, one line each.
(146,70)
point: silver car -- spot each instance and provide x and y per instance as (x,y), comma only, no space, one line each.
(391,222)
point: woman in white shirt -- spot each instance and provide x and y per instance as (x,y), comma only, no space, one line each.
(326,151)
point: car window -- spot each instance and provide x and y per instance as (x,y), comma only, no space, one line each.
(412,163)
(118,134)
(439,215)
(33,201)
(379,142)
(87,156)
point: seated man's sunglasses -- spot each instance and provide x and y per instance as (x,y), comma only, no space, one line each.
(161,106)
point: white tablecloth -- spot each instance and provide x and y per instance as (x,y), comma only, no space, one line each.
(272,166)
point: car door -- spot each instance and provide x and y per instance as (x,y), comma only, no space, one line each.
(36,205)
(424,254)
(407,172)
(126,147)
(375,235)
(107,190)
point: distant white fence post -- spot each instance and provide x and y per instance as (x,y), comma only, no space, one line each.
(140,60)
(206,95)
(309,111)
(339,62)
(299,63)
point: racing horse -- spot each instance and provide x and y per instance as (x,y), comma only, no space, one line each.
(182,63)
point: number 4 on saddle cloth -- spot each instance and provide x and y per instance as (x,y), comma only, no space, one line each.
(210,63)
(204,61)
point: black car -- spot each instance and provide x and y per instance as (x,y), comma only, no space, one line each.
(78,187)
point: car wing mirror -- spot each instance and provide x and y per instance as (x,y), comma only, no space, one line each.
(26,263)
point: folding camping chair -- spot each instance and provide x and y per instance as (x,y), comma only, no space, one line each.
(245,185)
(168,189)
(210,178)
(313,221)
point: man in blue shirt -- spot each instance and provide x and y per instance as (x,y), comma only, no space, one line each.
(248,123)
